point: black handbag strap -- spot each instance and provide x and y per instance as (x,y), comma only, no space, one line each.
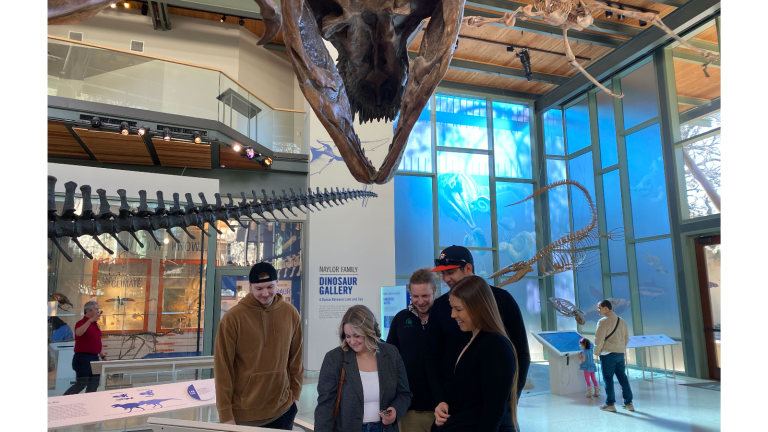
(614,329)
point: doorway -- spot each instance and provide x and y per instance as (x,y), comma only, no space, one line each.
(708,253)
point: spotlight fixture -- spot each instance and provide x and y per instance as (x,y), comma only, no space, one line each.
(95,122)
(608,14)
(236,147)
(166,134)
(267,162)
(142,130)
(525,59)
(124,129)
(223,18)
(241,22)
(127,5)
(621,17)
(166,241)
(643,23)
(113,5)
(250,152)
(197,137)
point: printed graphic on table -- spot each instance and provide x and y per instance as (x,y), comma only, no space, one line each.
(96,407)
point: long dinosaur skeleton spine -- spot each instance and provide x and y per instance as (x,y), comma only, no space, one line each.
(87,223)
(566,253)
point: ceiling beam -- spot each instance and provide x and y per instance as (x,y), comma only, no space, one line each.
(700,111)
(503,6)
(692,58)
(675,3)
(548,30)
(483,90)
(684,18)
(503,71)
(709,46)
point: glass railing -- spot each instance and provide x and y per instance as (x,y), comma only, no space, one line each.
(96,74)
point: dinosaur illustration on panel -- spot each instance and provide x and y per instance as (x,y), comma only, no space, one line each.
(372,78)
(566,253)
(137,405)
(88,223)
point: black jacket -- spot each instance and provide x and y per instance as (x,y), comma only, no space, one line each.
(479,397)
(408,334)
(445,341)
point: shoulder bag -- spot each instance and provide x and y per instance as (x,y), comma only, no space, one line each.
(618,319)
(338,394)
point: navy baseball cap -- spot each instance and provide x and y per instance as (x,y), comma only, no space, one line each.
(453,257)
(258,269)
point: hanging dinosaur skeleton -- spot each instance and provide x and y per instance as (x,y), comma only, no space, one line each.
(372,78)
(567,309)
(87,223)
(568,252)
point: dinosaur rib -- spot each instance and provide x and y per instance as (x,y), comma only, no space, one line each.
(72,225)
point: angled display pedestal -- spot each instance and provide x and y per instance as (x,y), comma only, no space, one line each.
(565,377)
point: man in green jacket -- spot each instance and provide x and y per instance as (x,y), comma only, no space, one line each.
(611,340)
(258,357)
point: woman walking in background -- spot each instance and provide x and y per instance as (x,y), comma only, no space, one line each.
(484,393)
(363,385)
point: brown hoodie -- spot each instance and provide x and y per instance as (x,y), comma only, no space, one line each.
(258,360)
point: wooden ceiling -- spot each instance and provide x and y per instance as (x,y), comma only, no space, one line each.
(481,58)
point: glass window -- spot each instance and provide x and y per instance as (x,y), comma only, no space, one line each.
(461,122)
(281,247)
(577,126)
(648,191)
(238,247)
(511,140)
(233,289)
(702,162)
(639,101)
(589,280)
(614,221)
(418,153)
(526,294)
(658,291)
(483,262)
(564,290)
(554,144)
(559,223)
(463,199)
(623,307)
(606,126)
(517,224)
(691,127)
(414,243)
(180,289)
(581,170)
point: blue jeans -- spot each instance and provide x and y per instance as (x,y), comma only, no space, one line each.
(371,427)
(613,363)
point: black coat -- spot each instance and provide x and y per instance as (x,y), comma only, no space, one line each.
(479,397)
(408,334)
(445,340)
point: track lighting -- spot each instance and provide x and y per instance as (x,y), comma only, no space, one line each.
(242,23)
(267,162)
(166,134)
(643,23)
(95,122)
(166,241)
(250,153)
(127,5)
(124,129)
(236,147)
(621,17)
(223,18)
(113,5)
(142,130)
(197,137)
(609,14)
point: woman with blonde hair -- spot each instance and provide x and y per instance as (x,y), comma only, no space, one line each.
(363,385)
(484,393)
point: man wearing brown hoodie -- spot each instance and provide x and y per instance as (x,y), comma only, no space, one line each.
(258,357)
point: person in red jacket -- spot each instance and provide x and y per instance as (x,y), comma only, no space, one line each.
(87,349)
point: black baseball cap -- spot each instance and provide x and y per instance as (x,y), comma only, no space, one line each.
(262,267)
(453,257)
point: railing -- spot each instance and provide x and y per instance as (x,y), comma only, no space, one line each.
(149,366)
(95,73)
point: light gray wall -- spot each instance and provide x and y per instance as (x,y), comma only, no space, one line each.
(267,73)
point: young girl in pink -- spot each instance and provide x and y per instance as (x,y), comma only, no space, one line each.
(588,366)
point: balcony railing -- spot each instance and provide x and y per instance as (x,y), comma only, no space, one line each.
(88,72)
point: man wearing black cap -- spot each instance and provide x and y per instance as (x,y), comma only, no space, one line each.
(445,340)
(258,357)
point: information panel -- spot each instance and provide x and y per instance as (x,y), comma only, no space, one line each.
(393,300)
(642,341)
(566,342)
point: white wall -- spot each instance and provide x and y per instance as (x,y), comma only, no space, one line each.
(267,73)
(351,236)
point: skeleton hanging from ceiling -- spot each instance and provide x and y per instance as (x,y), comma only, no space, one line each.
(372,78)
(87,223)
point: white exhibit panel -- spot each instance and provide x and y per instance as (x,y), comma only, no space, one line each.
(175,425)
(565,377)
(647,342)
(393,300)
(351,249)
(97,407)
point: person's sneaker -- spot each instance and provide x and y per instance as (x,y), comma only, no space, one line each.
(607,407)
(629,407)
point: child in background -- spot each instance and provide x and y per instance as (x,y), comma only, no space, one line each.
(588,366)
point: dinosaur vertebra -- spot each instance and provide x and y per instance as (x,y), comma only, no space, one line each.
(565,254)
(88,223)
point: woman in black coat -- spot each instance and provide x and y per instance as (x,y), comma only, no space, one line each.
(484,393)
